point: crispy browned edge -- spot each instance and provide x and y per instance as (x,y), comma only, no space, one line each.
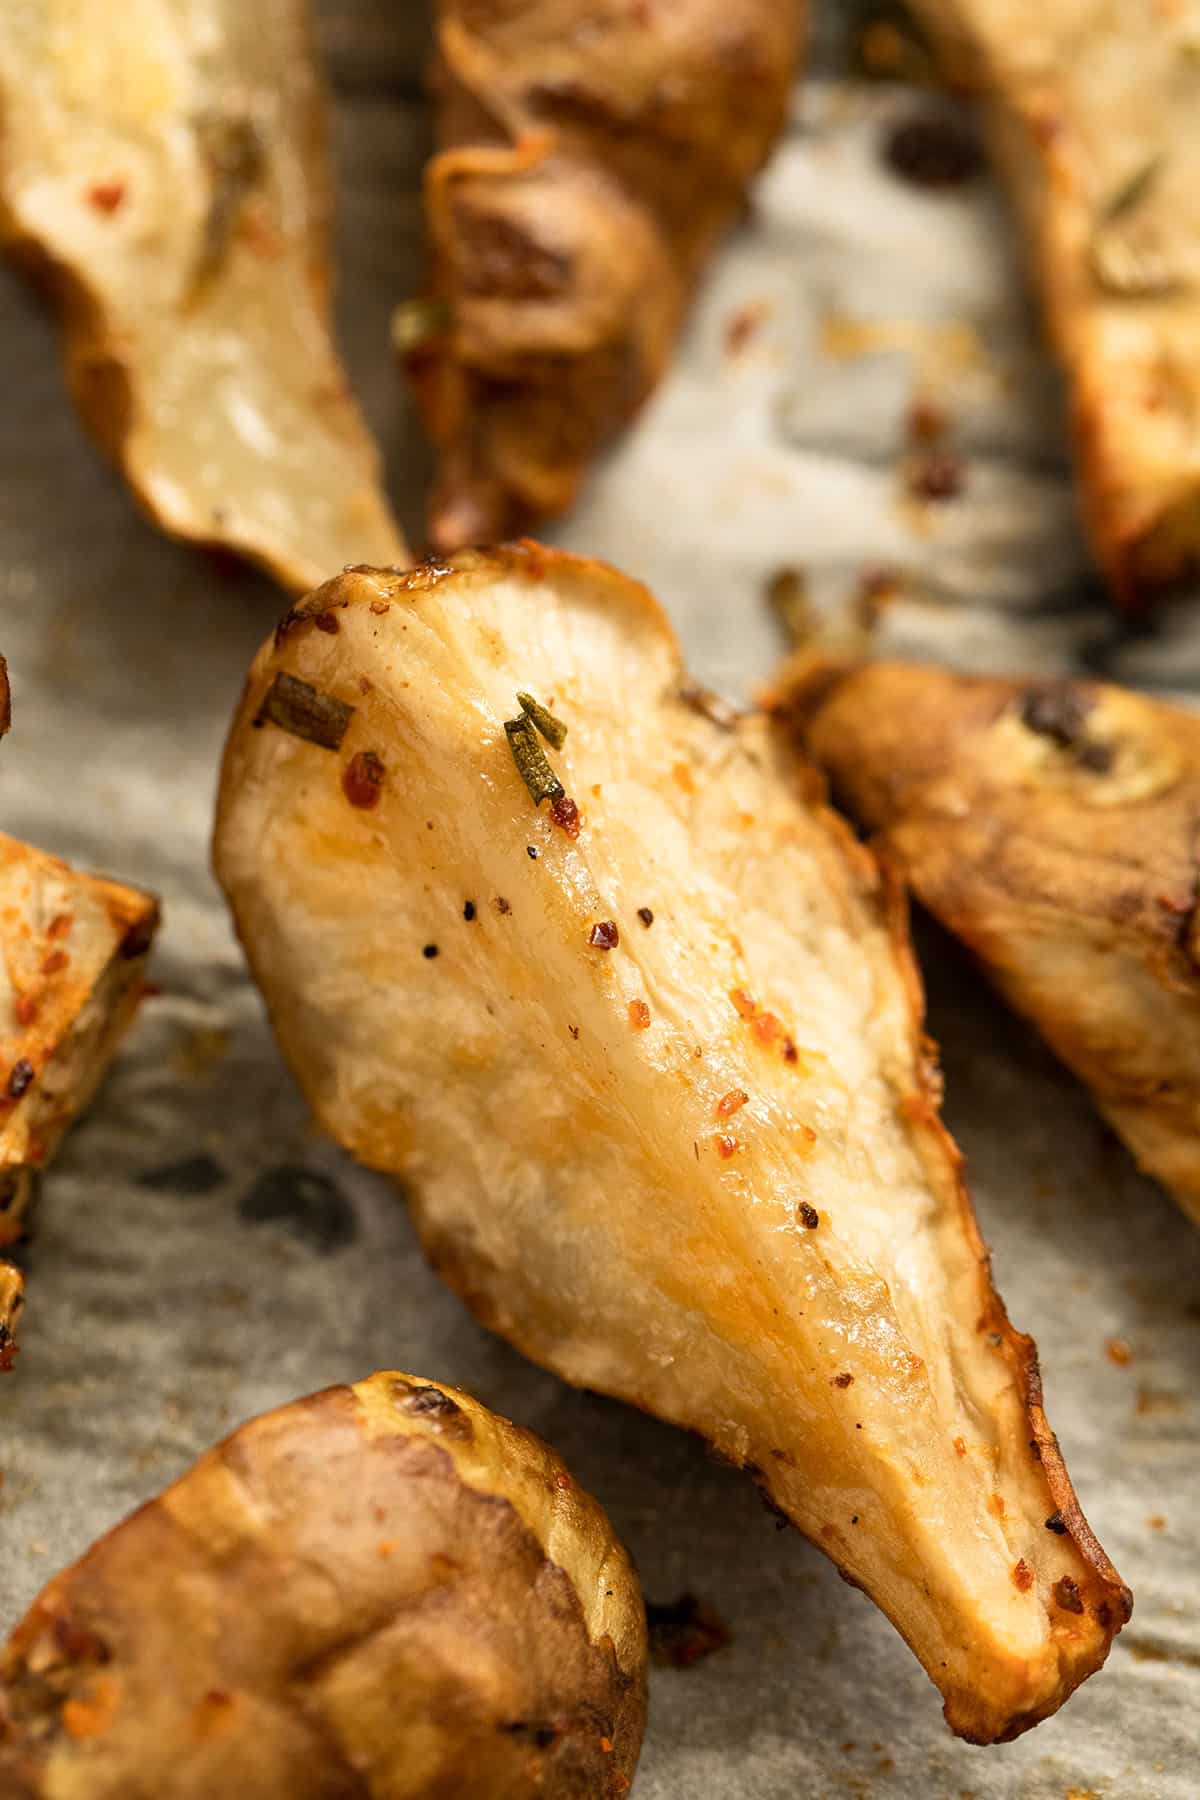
(74,1605)
(881,889)
(793,697)
(95,369)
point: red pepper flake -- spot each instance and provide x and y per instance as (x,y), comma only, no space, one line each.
(26,1009)
(681,774)
(502,906)
(766,1028)
(726,1147)
(1022,1575)
(937,476)
(19,1078)
(1066,1592)
(926,422)
(362,779)
(1119,1352)
(729,1103)
(646,916)
(106,196)
(604,935)
(843,1381)
(59,925)
(745,324)
(57,959)
(809,1215)
(379,607)
(327,622)
(996,1505)
(960,1446)
(808,1134)
(790,1052)
(606,1746)
(562,1479)
(639,1015)
(745,1006)
(565,814)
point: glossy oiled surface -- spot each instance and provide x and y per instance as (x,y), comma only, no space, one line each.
(151,1334)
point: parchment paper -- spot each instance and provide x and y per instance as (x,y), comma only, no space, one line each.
(201,1254)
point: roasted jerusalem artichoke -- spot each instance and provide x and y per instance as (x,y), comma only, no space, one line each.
(590,158)
(73,954)
(1051,826)
(1093,108)
(650,1061)
(382,1592)
(164,165)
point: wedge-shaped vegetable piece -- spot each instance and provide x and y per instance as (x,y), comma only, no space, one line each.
(650,1056)
(72,962)
(1051,826)
(591,156)
(1095,114)
(163,162)
(382,1591)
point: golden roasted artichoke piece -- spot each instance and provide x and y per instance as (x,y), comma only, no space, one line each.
(650,1058)
(163,163)
(12,1299)
(1052,826)
(591,156)
(381,1591)
(73,952)
(1095,113)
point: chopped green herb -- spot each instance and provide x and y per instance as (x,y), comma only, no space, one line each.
(530,758)
(1133,190)
(416,323)
(552,729)
(305,711)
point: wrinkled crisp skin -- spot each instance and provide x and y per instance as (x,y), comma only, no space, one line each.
(381,1592)
(591,156)
(1094,107)
(700,1169)
(1055,828)
(163,164)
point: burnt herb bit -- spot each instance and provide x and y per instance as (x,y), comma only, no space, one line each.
(646,916)
(19,1078)
(552,729)
(604,935)
(362,779)
(809,1215)
(1057,1524)
(530,758)
(418,323)
(469,911)
(305,711)
(1066,1592)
